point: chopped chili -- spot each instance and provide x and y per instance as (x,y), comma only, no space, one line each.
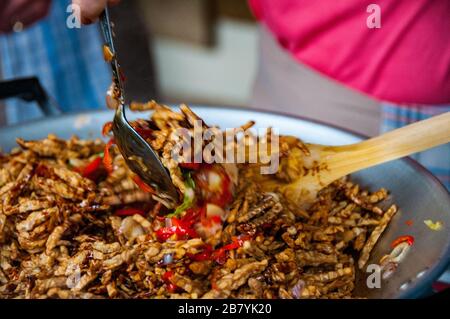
(164,233)
(142,185)
(202,256)
(167,275)
(237,242)
(193,215)
(172,288)
(144,132)
(129,212)
(181,228)
(192,166)
(210,221)
(91,170)
(409,222)
(407,238)
(107,128)
(219,255)
(107,159)
(214,285)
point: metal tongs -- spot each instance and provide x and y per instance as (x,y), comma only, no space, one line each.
(138,154)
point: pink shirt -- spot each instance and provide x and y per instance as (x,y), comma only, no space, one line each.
(407,60)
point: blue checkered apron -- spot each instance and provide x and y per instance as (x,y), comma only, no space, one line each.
(437,160)
(68,62)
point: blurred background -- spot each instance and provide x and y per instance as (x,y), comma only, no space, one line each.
(197,51)
(208,56)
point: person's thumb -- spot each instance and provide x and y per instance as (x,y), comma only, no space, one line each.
(90,10)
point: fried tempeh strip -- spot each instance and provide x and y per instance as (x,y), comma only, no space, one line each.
(375,235)
(236,279)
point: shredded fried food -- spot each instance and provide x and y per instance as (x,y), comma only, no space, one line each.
(61,235)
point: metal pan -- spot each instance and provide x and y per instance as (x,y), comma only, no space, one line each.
(419,195)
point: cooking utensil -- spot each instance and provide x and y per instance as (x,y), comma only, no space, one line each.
(419,194)
(138,154)
(110,55)
(336,162)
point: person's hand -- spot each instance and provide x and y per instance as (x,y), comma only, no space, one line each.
(91,9)
(26,12)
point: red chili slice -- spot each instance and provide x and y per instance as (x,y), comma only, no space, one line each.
(210,221)
(202,256)
(193,215)
(144,132)
(142,185)
(129,212)
(192,166)
(237,242)
(409,222)
(107,159)
(180,228)
(107,128)
(165,233)
(216,219)
(167,275)
(219,255)
(407,238)
(92,168)
(214,285)
(171,287)
(185,232)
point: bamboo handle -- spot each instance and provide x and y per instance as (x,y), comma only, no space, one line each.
(416,137)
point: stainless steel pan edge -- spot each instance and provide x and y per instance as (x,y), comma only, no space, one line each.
(442,265)
(430,190)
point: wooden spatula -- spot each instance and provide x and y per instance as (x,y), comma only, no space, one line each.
(332,162)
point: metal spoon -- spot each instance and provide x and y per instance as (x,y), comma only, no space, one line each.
(138,154)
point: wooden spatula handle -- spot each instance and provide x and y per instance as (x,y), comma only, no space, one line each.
(395,144)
